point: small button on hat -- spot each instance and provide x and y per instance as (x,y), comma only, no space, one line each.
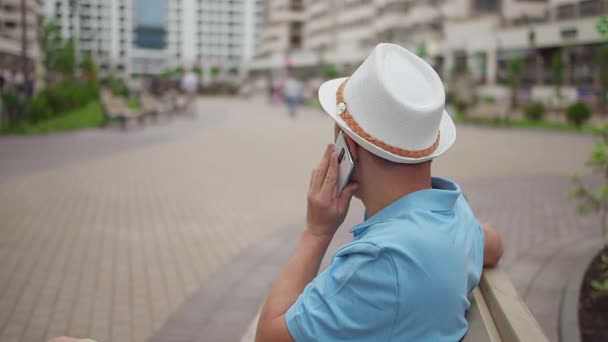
(393,106)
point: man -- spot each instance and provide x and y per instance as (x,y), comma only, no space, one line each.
(293,94)
(190,88)
(407,274)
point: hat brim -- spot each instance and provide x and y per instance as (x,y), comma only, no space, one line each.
(327,98)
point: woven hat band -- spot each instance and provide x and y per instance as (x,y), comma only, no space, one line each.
(354,126)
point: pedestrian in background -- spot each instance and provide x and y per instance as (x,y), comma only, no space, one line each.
(190,88)
(270,89)
(293,94)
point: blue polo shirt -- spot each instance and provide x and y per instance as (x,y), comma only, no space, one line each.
(406,275)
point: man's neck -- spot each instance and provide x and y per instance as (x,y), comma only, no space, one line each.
(391,188)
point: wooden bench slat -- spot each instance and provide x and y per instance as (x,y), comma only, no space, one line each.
(481,323)
(511,315)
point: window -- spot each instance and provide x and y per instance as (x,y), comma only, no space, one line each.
(566,11)
(487,5)
(296,5)
(589,8)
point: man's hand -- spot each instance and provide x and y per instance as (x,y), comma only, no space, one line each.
(326,208)
(492,251)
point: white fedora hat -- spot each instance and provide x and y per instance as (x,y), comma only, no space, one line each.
(393,106)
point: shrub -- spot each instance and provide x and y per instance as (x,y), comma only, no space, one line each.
(330,72)
(14,105)
(450,96)
(39,109)
(117,86)
(578,113)
(489,99)
(461,106)
(69,95)
(86,93)
(534,111)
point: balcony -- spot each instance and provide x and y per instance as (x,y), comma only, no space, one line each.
(525,12)
(562,10)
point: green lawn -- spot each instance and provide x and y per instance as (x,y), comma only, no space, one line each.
(133,104)
(90,115)
(313,103)
(525,123)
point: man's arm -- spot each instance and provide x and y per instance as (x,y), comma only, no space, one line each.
(326,212)
(299,271)
(492,250)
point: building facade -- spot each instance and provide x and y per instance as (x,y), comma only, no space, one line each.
(342,32)
(541,34)
(217,36)
(282,35)
(472,38)
(11,34)
(102,28)
(207,34)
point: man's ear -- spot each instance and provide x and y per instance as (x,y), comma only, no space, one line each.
(353,147)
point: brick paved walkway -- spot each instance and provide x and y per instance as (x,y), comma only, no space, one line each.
(111,244)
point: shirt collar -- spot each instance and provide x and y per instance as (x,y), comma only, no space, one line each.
(441,197)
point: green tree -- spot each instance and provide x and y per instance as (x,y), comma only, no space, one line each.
(89,67)
(602,26)
(514,70)
(557,69)
(59,54)
(51,44)
(66,62)
(198,71)
(601,59)
(330,72)
(422,50)
(215,72)
(596,200)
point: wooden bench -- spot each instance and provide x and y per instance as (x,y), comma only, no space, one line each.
(116,108)
(152,106)
(497,312)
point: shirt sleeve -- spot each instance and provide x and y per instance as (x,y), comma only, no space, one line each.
(481,245)
(355,299)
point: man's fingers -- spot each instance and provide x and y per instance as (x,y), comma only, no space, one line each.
(321,170)
(312,179)
(347,195)
(331,178)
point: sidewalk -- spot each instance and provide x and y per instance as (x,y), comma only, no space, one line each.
(115,245)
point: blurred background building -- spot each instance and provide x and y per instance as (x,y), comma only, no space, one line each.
(472,38)
(142,37)
(219,37)
(18,20)
(102,28)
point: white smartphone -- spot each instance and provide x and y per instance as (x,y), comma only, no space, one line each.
(345,162)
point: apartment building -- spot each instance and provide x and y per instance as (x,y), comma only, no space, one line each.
(207,34)
(213,34)
(102,28)
(11,31)
(282,35)
(342,32)
(482,41)
(474,39)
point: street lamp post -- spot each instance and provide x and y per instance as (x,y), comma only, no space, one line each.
(24,47)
